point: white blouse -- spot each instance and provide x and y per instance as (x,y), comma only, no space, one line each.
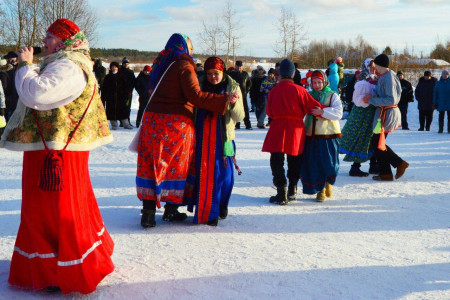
(362,88)
(334,111)
(60,83)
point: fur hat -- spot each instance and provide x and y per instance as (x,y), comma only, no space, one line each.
(239,63)
(427,73)
(382,60)
(63,29)
(114,63)
(287,67)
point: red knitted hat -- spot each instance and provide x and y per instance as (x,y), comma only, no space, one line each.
(147,68)
(214,63)
(63,29)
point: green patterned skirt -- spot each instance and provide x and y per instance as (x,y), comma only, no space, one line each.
(356,135)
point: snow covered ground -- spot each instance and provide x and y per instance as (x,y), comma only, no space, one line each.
(372,240)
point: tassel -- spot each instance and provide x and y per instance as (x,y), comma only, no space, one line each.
(377,128)
(51,176)
(382,141)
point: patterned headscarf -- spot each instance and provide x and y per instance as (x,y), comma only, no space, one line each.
(176,45)
(365,68)
(214,63)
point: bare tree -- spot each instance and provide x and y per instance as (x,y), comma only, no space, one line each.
(210,36)
(78,11)
(24,21)
(292,34)
(230,29)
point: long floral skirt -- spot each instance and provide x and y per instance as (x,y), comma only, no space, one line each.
(165,158)
(61,240)
(357,134)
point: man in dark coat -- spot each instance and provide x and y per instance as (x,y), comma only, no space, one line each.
(424,95)
(245,84)
(99,71)
(9,86)
(407,96)
(297,75)
(141,88)
(130,81)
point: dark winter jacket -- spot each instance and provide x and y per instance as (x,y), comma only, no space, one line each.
(297,77)
(141,85)
(244,81)
(114,96)
(100,72)
(441,97)
(424,93)
(407,93)
(130,79)
(9,87)
(256,96)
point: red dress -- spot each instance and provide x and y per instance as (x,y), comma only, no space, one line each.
(61,240)
(286,106)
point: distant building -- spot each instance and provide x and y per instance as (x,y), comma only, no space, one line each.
(430,63)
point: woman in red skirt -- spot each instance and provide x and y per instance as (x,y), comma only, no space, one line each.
(62,242)
(166,141)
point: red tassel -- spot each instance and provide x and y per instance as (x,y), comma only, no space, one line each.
(382,141)
(51,176)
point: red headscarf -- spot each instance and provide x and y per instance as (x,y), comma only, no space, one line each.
(63,29)
(317,74)
(214,63)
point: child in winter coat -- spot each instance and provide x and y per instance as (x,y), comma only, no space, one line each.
(321,156)
(286,106)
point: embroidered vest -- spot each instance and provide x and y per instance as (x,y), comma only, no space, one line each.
(323,127)
(57,124)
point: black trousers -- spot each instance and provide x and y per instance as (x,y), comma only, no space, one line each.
(277,166)
(386,158)
(425,118)
(247,115)
(441,121)
(142,104)
(404,111)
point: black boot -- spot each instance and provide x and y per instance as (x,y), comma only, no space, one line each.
(148,218)
(292,192)
(223,212)
(281,196)
(374,169)
(213,222)
(172,214)
(355,171)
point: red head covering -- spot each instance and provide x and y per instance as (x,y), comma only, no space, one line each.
(147,68)
(338,60)
(214,63)
(63,29)
(318,75)
(308,74)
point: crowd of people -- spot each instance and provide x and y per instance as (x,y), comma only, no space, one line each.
(186,151)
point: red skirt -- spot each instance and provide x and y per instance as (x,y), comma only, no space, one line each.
(62,240)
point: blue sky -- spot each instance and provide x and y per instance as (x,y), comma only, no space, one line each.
(147,24)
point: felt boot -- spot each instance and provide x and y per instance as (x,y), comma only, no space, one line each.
(281,196)
(328,190)
(113,124)
(171,214)
(223,212)
(292,192)
(148,218)
(126,124)
(320,197)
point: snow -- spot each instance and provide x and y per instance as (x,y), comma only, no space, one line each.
(372,240)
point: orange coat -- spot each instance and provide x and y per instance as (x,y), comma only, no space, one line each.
(179,92)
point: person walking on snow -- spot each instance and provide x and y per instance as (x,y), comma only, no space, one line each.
(286,106)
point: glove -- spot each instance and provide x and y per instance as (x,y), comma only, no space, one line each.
(2,111)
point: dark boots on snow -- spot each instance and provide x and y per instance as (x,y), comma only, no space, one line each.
(148,218)
(292,193)
(281,196)
(171,214)
(223,212)
(355,171)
